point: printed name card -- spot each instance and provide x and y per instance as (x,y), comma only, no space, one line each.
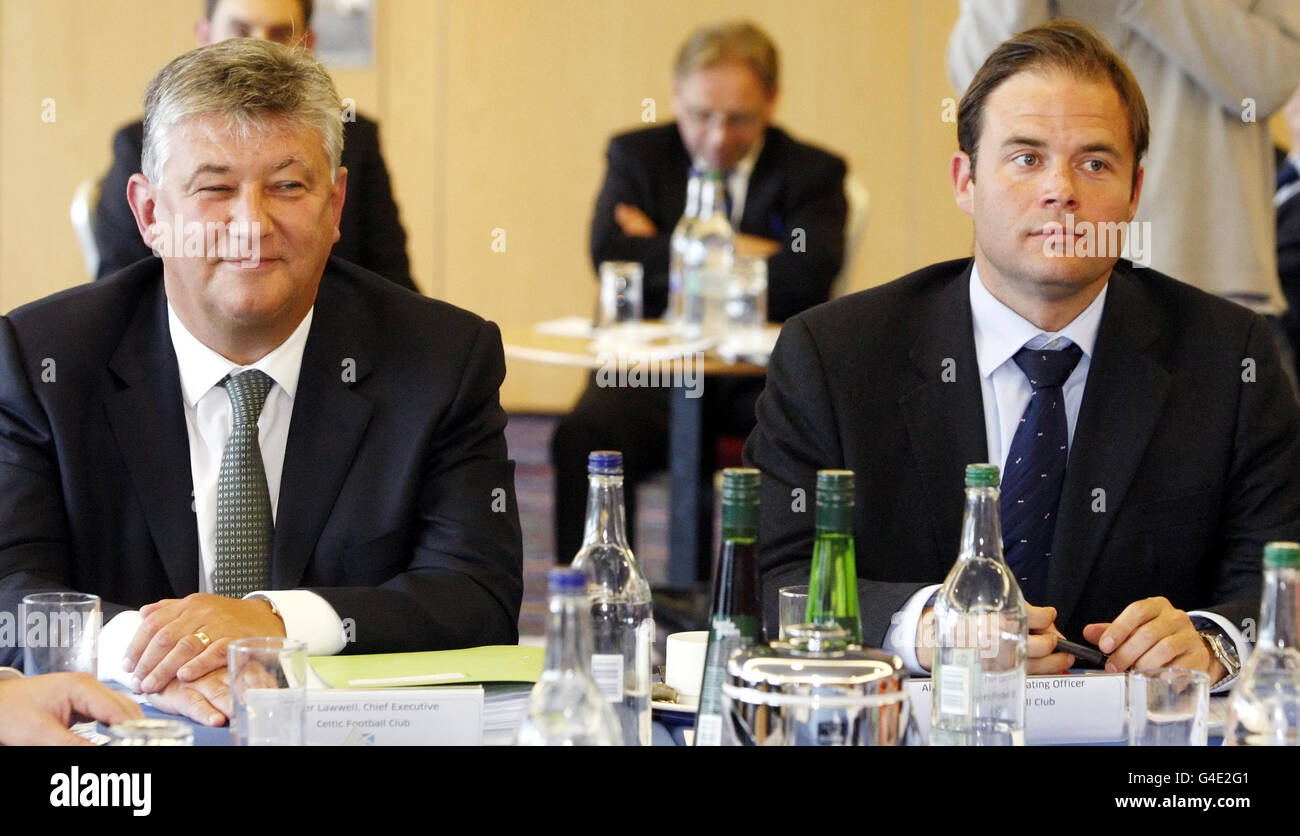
(1075,708)
(443,716)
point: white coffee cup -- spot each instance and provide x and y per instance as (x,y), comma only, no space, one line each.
(684,664)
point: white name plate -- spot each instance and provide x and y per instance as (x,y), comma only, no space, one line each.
(444,716)
(1076,708)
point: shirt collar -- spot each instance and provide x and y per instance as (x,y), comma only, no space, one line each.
(1000,332)
(202,368)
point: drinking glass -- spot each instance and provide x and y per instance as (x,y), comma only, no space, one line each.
(1168,707)
(268,688)
(792,607)
(151,732)
(746,303)
(621,300)
(61,633)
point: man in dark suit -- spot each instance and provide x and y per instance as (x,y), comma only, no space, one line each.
(260,439)
(370,231)
(788,207)
(1180,429)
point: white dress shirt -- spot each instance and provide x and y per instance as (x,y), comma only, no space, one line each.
(306,615)
(999,333)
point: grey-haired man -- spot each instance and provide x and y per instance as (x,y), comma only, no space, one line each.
(252,438)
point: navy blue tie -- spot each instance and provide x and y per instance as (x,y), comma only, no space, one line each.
(1035,470)
(726,193)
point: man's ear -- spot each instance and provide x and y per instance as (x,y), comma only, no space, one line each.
(1137,193)
(963,182)
(140,194)
(340,194)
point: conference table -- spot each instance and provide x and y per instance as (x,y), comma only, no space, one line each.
(573,342)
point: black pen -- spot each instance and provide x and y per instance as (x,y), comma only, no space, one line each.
(1081,652)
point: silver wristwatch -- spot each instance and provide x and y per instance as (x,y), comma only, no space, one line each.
(1225,651)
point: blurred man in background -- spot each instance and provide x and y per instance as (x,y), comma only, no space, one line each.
(725,86)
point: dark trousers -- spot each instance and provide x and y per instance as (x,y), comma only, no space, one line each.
(635,421)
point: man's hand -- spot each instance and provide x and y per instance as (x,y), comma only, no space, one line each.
(38,710)
(1150,634)
(634,222)
(205,700)
(1042,641)
(168,644)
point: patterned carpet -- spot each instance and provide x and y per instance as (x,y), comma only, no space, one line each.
(529,437)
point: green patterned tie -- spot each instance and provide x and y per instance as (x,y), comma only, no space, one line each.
(244,525)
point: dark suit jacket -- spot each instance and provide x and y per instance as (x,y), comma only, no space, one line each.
(1288,259)
(793,186)
(370,232)
(397,501)
(1179,471)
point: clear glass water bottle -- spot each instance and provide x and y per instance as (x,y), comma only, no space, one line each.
(708,259)
(566,708)
(622,623)
(677,250)
(1264,708)
(982,632)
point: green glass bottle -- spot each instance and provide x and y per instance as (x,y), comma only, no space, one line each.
(735,613)
(833,582)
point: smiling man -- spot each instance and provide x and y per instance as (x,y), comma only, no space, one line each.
(370,231)
(1176,453)
(251,437)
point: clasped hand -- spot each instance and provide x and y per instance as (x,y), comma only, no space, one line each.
(169,644)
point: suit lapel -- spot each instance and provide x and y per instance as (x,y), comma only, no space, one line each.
(944,414)
(1122,401)
(147,418)
(325,431)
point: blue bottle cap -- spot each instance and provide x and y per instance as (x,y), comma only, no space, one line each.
(565,580)
(605,463)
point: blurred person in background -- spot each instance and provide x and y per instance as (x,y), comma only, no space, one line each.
(725,87)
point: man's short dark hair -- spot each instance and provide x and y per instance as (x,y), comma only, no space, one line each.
(1066,46)
(210,7)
